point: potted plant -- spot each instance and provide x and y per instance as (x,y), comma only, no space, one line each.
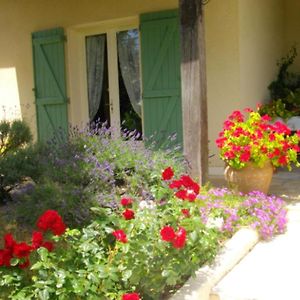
(252,147)
(284,90)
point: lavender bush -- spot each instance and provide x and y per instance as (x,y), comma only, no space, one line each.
(94,167)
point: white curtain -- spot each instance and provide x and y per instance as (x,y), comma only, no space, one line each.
(128,51)
(95,49)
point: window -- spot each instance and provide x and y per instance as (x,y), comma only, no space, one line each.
(113,78)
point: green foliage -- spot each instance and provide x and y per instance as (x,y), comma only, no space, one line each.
(92,168)
(15,166)
(13,135)
(90,263)
(285,90)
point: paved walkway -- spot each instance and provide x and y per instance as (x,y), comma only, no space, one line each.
(271,270)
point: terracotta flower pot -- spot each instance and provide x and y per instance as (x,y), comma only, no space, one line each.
(250,178)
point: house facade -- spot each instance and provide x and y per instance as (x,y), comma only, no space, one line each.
(71,62)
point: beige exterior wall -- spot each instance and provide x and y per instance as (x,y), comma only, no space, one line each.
(292,29)
(244,39)
(19,18)
(223,70)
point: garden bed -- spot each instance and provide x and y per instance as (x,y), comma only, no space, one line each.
(138,225)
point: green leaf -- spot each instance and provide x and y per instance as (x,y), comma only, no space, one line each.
(126,275)
(14,261)
(44,294)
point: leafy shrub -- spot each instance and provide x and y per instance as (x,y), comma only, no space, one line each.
(93,168)
(15,166)
(285,90)
(13,135)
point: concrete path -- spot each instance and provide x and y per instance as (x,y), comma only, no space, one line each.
(271,270)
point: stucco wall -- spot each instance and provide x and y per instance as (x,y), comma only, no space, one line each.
(261,45)
(223,71)
(292,29)
(244,39)
(19,18)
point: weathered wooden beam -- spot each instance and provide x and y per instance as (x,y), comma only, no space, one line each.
(193,85)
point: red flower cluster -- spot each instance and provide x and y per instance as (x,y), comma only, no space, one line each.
(37,241)
(120,235)
(131,296)
(22,250)
(187,188)
(254,139)
(51,220)
(178,239)
(12,249)
(128,214)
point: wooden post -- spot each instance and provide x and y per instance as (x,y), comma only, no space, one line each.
(193,85)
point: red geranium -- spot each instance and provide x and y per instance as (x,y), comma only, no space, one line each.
(24,264)
(52,221)
(131,296)
(5,257)
(120,235)
(9,241)
(254,139)
(37,239)
(167,174)
(190,188)
(167,234)
(180,238)
(128,214)
(21,250)
(126,201)
(186,212)
(48,245)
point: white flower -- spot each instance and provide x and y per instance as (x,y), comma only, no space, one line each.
(147,204)
(215,223)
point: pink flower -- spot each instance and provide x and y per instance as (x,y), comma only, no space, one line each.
(283,160)
(120,236)
(237,116)
(266,118)
(131,296)
(229,155)
(128,214)
(245,156)
(248,110)
(167,174)
(228,124)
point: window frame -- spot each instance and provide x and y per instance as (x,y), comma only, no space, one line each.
(78,109)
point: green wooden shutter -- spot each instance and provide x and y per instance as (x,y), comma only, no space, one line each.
(160,56)
(50,84)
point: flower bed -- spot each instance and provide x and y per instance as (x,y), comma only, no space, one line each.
(140,249)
